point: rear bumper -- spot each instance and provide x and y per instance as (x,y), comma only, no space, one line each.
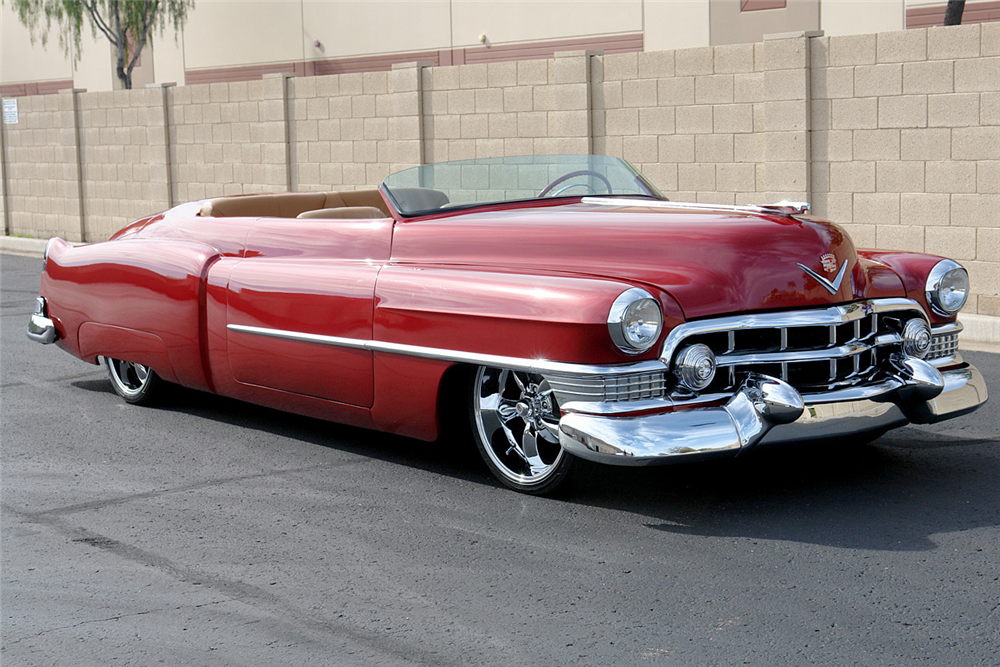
(41,329)
(767,410)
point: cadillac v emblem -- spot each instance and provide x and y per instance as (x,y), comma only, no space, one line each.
(829,263)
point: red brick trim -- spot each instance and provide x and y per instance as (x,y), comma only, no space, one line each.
(34,88)
(975,12)
(757,5)
(626,43)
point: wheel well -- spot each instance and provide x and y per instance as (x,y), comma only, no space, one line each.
(453,402)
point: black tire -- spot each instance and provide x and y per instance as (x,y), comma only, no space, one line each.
(515,422)
(137,384)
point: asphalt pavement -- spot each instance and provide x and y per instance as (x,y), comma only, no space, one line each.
(206,531)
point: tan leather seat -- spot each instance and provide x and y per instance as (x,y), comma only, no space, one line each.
(290,204)
(344,212)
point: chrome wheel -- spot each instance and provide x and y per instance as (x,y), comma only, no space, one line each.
(516,422)
(133,382)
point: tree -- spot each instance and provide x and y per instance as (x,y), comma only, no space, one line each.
(127,24)
(953,12)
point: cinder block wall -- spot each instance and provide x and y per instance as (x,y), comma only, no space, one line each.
(894,135)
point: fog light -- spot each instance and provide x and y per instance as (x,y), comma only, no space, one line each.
(916,338)
(694,367)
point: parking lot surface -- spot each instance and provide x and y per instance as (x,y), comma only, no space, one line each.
(206,531)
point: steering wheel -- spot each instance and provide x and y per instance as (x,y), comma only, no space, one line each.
(573,174)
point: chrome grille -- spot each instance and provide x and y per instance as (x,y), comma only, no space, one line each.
(813,350)
(609,388)
(944,343)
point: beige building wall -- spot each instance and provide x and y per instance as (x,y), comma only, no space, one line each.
(367,28)
(851,17)
(21,60)
(222,33)
(730,25)
(675,24)
(507,21)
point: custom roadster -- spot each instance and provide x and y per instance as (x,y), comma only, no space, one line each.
(559,304)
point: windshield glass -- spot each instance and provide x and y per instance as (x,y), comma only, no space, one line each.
(448,185)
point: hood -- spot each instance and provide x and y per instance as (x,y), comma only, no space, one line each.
(711,262)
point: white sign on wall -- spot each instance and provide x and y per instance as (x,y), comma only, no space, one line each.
(10,112)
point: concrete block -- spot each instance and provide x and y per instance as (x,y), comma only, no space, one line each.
(500,75)
(694,61)
(780,54)
(519,98)
(954,242)
(900,237)
(876,208)
(925,144)
(532,124)
(442,78)
(713,89)
(713,148)
(832,82)
(502,125)
(878,80)
(639,93)
(621,67)
(988,246)
(950,176)
(989,108)
(622,122)
(676,148)
(902,111)
(975,143)
(693,120)
(935,76)
(733,58)
(656,120)
(979,74)
(833,146)
(788,84)
(568,123)
(459,102)
(819,176)
(696,177)
(749,87)
(925,208)
(876,144)
(820,115)
(953,110)
(532,72)
(855,113)
(655,64)
(788,179)
(607,95)
(784,116)
(556,97)
(852,50)
(977,210)
(897,176)
(990,39)
(663,176)
(732,118)
(952,42)
(570,69)
(988,176)
(735,177)
(898,46)
(675,91)
(639,150)
(855,176)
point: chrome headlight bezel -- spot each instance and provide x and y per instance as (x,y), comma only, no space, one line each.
(629,321)
(936,288)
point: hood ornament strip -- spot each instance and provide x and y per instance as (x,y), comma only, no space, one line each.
(831,287)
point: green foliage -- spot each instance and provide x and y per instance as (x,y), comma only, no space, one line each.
(127,24)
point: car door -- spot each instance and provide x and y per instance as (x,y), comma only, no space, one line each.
(300,307)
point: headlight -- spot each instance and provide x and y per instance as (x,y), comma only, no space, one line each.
(947,287)
(694,367)
(635,321)
(916,338)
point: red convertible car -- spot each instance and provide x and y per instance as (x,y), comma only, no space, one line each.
(560,303)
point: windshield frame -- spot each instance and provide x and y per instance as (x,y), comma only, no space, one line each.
(572,164)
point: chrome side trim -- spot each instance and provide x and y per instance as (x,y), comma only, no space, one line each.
(540,366)
(788,208)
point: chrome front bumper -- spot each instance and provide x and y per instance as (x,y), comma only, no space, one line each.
(41,329)
(767,410)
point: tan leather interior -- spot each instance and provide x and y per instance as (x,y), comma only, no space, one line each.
(292,204)
(344,212)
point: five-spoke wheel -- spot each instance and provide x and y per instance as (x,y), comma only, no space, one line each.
(133,382)
(515,421)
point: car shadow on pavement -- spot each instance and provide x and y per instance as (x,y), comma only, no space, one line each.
(890,495)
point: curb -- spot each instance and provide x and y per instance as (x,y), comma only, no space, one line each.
(983,331)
